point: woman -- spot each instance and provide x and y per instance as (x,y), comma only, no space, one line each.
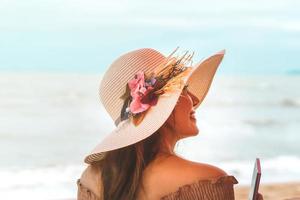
(154,111)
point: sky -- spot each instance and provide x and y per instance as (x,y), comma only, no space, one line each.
(86,36)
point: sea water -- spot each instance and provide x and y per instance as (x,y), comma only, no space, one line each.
(49,122)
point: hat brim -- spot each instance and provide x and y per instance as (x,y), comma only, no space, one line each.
(126,133)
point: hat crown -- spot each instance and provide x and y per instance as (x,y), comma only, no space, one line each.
(123,69)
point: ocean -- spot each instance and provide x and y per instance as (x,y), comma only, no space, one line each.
(50,121)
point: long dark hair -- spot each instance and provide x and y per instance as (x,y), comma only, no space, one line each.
(122,169)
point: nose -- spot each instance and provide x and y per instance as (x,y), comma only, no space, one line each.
(194,98)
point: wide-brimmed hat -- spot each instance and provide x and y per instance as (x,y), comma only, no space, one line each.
(140,90)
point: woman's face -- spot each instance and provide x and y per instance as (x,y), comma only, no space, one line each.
(183,117)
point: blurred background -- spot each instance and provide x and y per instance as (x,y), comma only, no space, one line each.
(53,54)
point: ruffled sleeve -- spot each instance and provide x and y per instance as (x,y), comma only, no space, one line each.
(220,188)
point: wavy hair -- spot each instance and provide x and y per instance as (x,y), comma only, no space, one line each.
(122,169)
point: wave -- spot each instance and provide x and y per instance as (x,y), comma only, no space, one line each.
(267,100)
(59,182)
(278,169)
(262,122)
(290,102)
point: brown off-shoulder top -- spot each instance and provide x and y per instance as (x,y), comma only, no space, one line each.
(220,188)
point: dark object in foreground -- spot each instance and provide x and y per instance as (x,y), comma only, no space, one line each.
(253,194)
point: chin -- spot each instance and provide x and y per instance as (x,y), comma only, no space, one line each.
(194,129)
(195,132)
(191,133)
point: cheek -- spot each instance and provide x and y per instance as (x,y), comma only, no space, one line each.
(182,115)
(183,109)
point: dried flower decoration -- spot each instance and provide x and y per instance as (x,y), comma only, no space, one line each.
(143,90)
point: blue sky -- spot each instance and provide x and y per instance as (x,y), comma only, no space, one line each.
(87,35)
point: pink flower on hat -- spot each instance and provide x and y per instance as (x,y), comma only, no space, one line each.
(139,89)
(143,91)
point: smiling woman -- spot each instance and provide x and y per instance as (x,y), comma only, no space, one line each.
(182,121)
(137,160)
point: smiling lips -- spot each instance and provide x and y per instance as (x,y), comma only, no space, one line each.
(193,115)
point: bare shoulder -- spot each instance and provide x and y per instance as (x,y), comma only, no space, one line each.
(194,169)
(168,175)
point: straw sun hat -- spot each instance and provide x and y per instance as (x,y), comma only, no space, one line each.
(140,90)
